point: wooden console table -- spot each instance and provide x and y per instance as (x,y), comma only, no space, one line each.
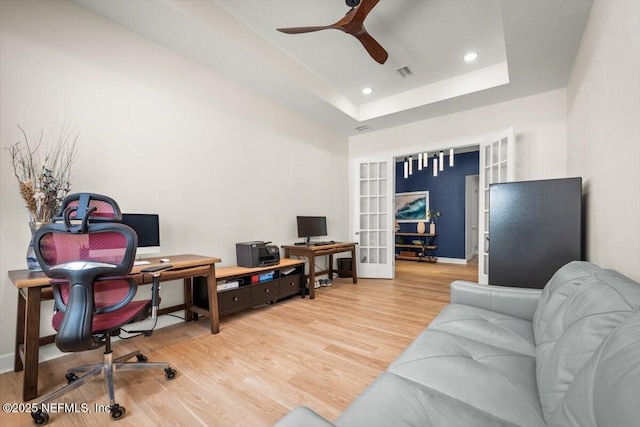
(278,281)
(312,251)
(33,287)
(426,246)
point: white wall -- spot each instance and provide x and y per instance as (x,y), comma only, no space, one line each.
(159,133)
(604,133)
(539,123)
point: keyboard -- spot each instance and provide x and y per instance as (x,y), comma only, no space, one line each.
(321,243)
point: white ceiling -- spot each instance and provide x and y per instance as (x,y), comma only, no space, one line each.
(525,47)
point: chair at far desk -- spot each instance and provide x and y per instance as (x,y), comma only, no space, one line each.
(311,252)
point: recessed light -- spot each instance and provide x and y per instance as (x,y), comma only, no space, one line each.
(471,56)
(367,90)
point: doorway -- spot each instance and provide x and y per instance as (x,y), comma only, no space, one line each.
(472,194)
(447,193)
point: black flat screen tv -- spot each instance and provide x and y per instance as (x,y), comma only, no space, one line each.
(311,226)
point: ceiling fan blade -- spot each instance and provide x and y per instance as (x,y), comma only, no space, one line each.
(376,51)
(300,30)
(363,9)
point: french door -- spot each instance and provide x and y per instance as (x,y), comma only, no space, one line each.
(496,165)
(372,222)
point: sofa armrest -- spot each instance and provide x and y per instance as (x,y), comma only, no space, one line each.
(303,416)
(516,302)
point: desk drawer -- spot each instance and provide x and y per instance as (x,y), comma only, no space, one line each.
(289,285)
(229,301)
(264,291)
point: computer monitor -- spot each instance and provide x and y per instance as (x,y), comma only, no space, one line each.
(311,226)
(147,227)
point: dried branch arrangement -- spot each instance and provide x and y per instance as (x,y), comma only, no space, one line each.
(44,183)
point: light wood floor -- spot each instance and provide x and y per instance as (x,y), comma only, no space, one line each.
(321,353)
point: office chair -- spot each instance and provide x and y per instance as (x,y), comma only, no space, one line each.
(88,255)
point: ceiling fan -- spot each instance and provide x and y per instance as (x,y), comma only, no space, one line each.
(352,23)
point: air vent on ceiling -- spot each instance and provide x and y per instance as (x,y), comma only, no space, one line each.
(405,72)
(362,128)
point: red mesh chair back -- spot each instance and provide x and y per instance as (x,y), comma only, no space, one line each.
(88,260)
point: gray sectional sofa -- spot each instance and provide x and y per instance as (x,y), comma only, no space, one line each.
(567,355)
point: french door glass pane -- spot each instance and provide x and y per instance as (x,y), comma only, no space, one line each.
(364,238)
(383,187)
(364,188)
(373,170)
(364,205)
(364,221)
(364,171)
(364,255)
(383,221)
(382,256)
(503,150)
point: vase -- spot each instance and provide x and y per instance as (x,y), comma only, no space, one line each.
(32,261)
(432,228)
(421,228)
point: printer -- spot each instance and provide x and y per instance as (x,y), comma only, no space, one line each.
(257,254)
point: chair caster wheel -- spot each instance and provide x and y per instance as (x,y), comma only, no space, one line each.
(71,377)
(117,412)
(142,358)
(40,418)
(170,373)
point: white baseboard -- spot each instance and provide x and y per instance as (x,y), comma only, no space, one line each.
(452,260)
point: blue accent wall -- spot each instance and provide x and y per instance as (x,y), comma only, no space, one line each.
(447,195)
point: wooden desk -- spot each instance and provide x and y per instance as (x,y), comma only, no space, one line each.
(33,287)
(311,252)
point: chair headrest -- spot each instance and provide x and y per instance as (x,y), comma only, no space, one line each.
(79,209)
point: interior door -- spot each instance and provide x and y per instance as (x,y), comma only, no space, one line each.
(373,217)
(496,165)
(472,194)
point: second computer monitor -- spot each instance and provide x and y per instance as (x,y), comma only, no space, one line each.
(311,226)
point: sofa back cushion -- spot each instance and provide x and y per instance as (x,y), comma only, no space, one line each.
(605,390)
(578,309)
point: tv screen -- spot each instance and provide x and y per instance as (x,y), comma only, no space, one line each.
(147,227)
(312,226)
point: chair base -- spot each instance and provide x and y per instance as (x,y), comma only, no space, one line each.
(107,367)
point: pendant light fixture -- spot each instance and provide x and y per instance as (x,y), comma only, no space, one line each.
(425,160)
(406,168)
(420,161)
(435,165)
(451,157)
(410,166)
(441,161)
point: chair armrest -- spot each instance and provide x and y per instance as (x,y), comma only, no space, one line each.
(303,416)
(516,302)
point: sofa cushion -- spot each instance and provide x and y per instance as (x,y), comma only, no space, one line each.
(491,328)
(395,401)
(578,309)
(491,379)
(605,391)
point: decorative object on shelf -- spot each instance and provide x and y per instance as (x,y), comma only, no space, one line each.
(411,207)
(43,182)
(421,227)
(433,215)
